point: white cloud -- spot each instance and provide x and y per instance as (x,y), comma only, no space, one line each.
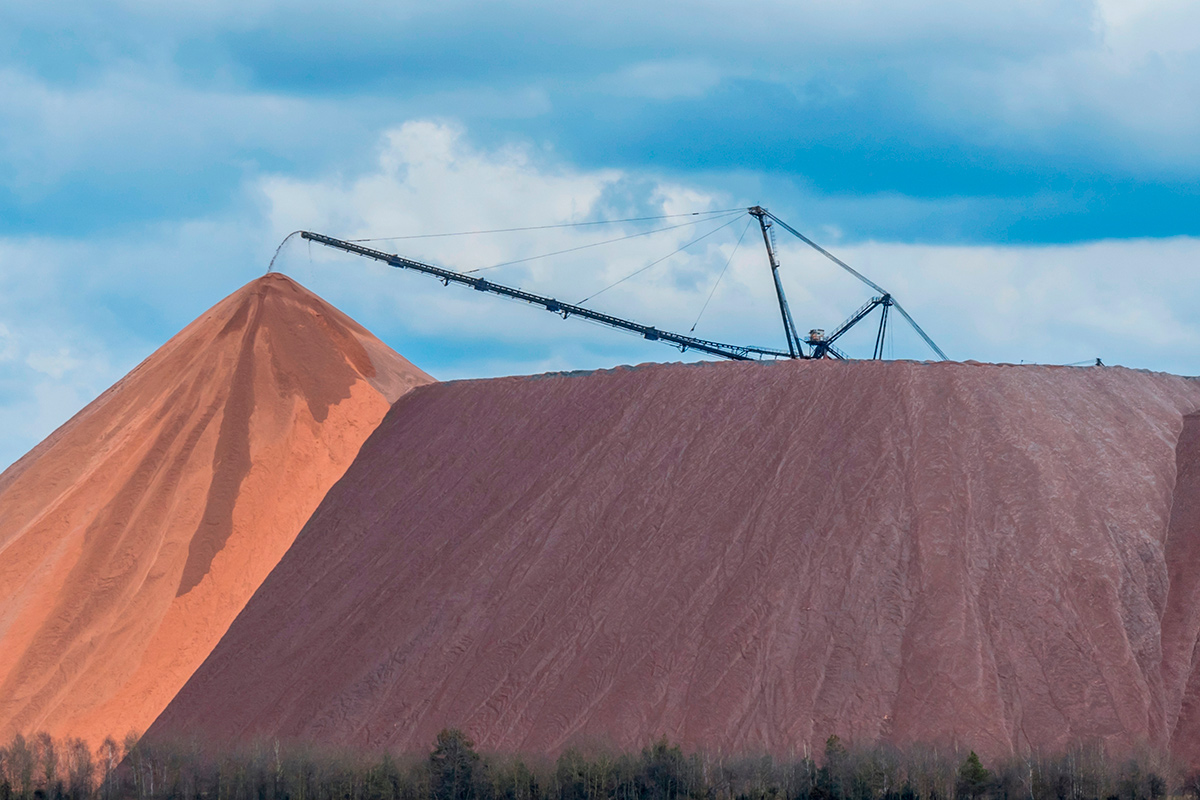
(1127,301)
(1111,83)
(430,179)
(663,79)
(79,313)
(127,121)
(55,364)
(8,344)
(1136,29)
(47,372)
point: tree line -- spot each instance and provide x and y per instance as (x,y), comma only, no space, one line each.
(42,768)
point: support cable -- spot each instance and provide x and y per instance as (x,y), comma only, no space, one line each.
(922,333)
(592,244)
(749,222)
(446,276)
(862,278)
(544,227)
(684,342)
(828,254)
(677,250)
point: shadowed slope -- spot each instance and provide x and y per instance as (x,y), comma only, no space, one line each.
(1181,622)
(133,535)
(738,556)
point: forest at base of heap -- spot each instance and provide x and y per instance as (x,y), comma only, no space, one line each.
(42,768)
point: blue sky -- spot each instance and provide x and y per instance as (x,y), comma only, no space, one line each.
(1024,176)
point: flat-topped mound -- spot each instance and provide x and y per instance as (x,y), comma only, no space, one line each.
(741,557)
(133,535)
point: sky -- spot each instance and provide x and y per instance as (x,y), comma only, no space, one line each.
(1024,177)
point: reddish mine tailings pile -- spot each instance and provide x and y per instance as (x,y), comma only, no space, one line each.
(741,557)
(133,535)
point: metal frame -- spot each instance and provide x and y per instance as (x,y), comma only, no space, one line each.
(814,346)
(446,276)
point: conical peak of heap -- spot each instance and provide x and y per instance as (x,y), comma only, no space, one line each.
(132,536)
(311,338)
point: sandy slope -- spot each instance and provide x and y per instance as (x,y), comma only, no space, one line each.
(741,556)
(133,535)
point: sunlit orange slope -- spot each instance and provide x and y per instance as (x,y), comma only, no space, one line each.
(132,536)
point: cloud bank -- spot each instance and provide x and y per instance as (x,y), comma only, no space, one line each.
(1024,177)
